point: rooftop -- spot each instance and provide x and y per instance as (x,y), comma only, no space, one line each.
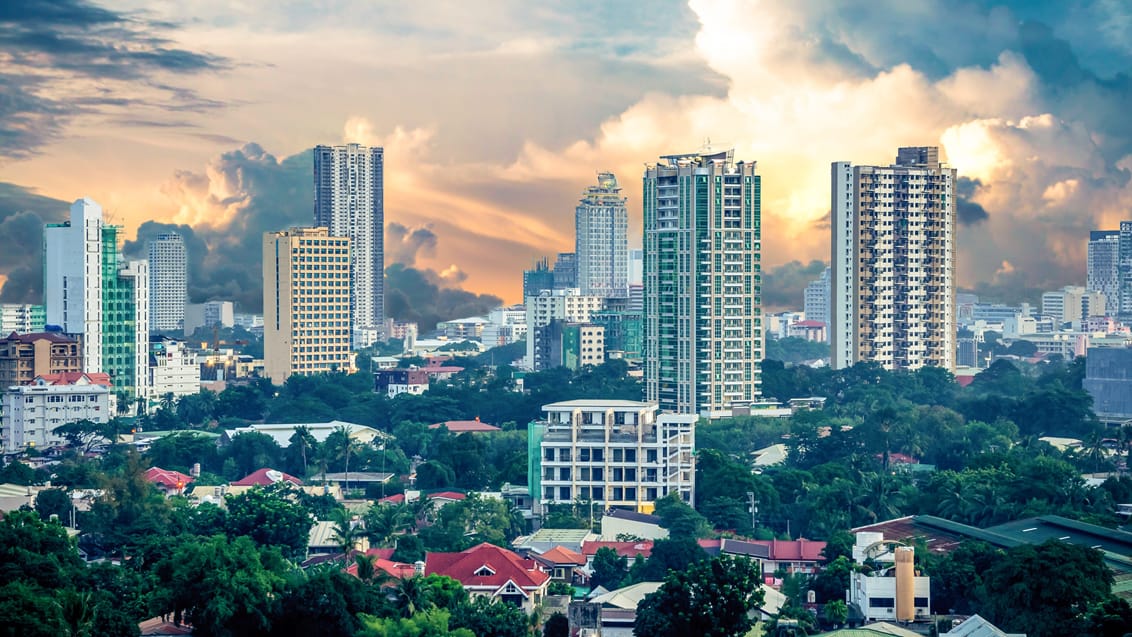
(591,403)
(465,426)
(54,337)
(265,477)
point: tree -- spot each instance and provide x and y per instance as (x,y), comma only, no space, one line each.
(431,623)
(347,532)
(268,517)
(557,625)
(609,568)
(435,475)
(836,612)
(670,554)
(81,433)
(680,519)
(249,452)
(1020,596)
(223,587)
(711,598)
(383,522)
(322,602)
(55,502)
(484,616)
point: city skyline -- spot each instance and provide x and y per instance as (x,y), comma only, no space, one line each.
(1028,114)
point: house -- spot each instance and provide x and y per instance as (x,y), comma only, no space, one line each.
(619,523)
(545,539)
(563,564)
(486,570)
(266,477)
(320,431)
(628,550)
(976,626)
(168,482)
(466,426)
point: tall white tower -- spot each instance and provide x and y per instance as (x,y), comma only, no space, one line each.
(349,200)
(893,262)
(72,278)
(602,240)
(168,275)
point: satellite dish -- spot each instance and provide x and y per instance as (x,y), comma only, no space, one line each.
(274,476)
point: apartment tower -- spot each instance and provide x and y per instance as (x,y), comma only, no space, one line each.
(168,277)
(602,239)
(306,303)
(92,292)
(703,337)
(349,200)
(893,262)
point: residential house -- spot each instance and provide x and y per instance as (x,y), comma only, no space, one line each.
(168,482)
(486,570)
(563,564)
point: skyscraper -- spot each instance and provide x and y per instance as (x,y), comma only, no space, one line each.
(893,262)
(1125,271)
(703,336)
(539,279)
(306,303)
(1104,267)
(602,239)
(349,200)
(90,290)
(566,271)
(168,275)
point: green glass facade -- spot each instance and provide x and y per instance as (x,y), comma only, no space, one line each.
(702,337)
(119,318)
(623,332)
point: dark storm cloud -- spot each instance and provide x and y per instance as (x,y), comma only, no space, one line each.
(52,46)
(968,212)
(403,244)
(414,295)
(22,215)
(784,286)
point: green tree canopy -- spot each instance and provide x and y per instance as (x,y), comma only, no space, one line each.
(711,598)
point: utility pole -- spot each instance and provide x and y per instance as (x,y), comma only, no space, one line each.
(753,507)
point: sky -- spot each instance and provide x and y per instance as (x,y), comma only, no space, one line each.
(496,115)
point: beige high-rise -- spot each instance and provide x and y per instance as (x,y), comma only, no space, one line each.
(893,270)
(306,303)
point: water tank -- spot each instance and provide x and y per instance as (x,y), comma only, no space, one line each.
(905,584)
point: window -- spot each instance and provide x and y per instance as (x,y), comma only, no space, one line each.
(882,602)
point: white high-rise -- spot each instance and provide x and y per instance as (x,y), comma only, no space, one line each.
(72,275)
(168,277)
(349,200)
(893,262)
(602,240)
(816,300)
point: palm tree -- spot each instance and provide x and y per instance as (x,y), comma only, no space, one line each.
(385,521)
(420,510)
(304,441)
(347,532)
(411,595)
(168,401)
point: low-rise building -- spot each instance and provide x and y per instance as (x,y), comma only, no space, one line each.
(617,524)
(33,412)
(1108,379)
(25,356)
(393,382)
(173,369)
(617,453)
(888,593)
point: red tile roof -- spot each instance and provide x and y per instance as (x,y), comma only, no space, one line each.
(396,498)
(166,478)
(800,550)
(465,426)
(265,477)
(486,566)
(627,549)
(562,555)
(70,378)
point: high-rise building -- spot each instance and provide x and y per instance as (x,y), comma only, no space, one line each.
(703,337)
(1072,304)
(92,292)
(636,267)
(893,262)
(217,314)
(1125,271)
(168,279)
(601,223)
(1104,266)
(539,279)
(72,278)
(22,318)
(566,271)
(306,303)
(815,303)
(349,200)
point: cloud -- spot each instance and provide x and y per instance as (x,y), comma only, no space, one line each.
(22,216)
(402,244)
(414,295)
(67,58)
(968,212)
(784,286)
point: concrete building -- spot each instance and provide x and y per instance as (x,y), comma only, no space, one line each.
(1125,272)
(219,314)
(1104,265)
(703,337)
(470,328)
(563,305)
(168,281)
(617,453)
(1072,304)
(893,262)
(22,318)
(816,301)
(1108,379)
(173,369)
(72,278)
(637,267)
(349,200)
(601,222)
(23,357)
(893,593)
(395,381)
(306,303)
(505,325)
(33,412)
(623,332)
(569,345)
(92,292)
